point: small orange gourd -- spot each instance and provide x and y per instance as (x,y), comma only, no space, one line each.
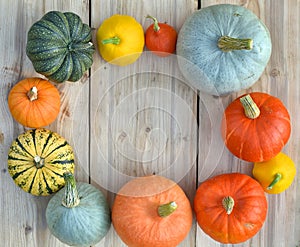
(34,102)
(151,211)
(160,38)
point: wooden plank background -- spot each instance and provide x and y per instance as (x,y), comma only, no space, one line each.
(143,118)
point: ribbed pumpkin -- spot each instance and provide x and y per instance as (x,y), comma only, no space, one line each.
(256,126)
(223,49)
(34,102)
(151,211)
(37,160)
(78,214)
(59,46)
(230,208)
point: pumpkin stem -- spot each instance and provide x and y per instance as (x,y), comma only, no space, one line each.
(167,209)
(80,46)
(226,43)
(156,27)
(278,176)
(251,109)
(114,40)
(38,161)
(32,94)
(228,204)
(71,198)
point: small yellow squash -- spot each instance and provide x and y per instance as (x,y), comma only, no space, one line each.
(120,40)
(276,174)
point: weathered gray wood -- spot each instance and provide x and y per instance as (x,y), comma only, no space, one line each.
(137,120)
(279,80)
(143,117)
(23,215)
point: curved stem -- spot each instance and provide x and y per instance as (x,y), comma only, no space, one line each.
(167,209)
(251,109)
(32,94)
(228,204)
(114,40)
(156,27)
(278,176)
(226,43)
(38,161)
(71,198)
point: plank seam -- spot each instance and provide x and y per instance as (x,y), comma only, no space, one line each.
(89,103)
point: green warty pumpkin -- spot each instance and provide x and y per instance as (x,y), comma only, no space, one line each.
(59,46)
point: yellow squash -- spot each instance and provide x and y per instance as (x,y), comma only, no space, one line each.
(275,175)
(120,40)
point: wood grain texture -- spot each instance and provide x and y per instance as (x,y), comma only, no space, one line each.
(23,219)
(142,119)
(279,79)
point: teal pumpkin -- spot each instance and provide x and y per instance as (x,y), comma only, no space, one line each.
(59,46)
(78,215)
(223,49)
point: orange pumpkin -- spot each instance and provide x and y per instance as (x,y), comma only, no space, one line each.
(34,102)
(255,127)
(151,211)
(230,208)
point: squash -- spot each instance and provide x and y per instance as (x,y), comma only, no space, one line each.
(256,126)
(34,102)
(151,211)
(276,174)
(59,46)
(120,40)
(37,160)
(78,214)
(230,208)
(160,38)
(223,49)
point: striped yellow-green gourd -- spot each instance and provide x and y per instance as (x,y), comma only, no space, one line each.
(37,160)
(60,46)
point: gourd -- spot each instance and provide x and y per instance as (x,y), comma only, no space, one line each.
(151,211)
(223,49)
(34,102)
(37,160)
(160,38)
(120,40)
(59,46)
(78,214)
(275,175)
(230,208)
(256,126)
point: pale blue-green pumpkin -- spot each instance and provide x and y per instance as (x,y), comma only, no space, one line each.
(78,214)
(223,49)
